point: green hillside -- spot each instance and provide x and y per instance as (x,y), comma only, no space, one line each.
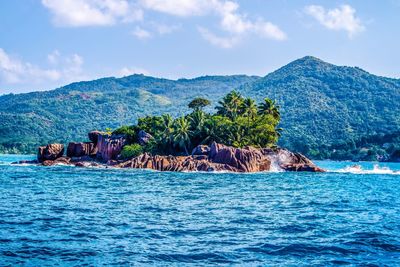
(322,105)
(68,113)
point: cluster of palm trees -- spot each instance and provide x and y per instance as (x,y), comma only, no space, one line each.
(238,122)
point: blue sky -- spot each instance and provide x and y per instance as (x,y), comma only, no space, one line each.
(48,43)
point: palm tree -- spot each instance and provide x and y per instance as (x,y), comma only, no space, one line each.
(215,129)
(166,132)
(269,107)
(197,119)
(182,133)
(230,105)
(249,109)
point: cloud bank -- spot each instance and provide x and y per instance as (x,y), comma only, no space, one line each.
(233,24)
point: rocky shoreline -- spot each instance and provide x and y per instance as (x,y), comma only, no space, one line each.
(104,150)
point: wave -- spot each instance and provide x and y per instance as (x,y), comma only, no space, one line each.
(357,169)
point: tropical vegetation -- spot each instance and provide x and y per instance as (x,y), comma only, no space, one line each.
(238,122)
(131,151)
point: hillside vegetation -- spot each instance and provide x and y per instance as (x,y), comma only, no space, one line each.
(322,105)
(68,113)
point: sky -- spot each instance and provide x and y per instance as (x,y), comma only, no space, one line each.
(45,44)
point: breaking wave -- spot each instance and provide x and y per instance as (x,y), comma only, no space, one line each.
(358,169)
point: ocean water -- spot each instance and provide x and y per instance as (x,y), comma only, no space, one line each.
(68,216)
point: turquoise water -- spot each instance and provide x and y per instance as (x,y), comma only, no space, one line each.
(68,216)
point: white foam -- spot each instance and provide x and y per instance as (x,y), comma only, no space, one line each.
(274,164)
(357,169)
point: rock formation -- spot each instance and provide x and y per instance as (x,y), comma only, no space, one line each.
(94,136)
(50,152)
(144,138)
(81,149)
(201,150)
(243,159)
(219,157)
(171,163)
(216,157)
(109,146)
(60,160)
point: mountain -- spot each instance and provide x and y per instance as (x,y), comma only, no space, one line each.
(322,105)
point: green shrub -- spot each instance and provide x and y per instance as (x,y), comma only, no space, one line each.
(131,151)
(129,131)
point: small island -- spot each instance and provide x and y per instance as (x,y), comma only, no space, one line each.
(241,136)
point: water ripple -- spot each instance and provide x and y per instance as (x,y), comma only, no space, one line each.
(65,216)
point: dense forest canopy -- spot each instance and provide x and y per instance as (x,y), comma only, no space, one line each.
(238,122)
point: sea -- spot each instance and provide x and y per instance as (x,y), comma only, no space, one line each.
(70,216)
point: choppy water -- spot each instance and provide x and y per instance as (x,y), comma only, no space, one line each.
(70,216)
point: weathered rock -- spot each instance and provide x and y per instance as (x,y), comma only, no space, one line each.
(81,149)
(200,157)
(225,158)
(244,159)
(201,150)
(60,160)
(301,168)
(284,156)
(109,146)
(87,164)
(170,163)
(63,160)
(112,162)
(48,163)
(93,136)
(290,161)
(50,152)
(81,164)
(217,157)
(144,138)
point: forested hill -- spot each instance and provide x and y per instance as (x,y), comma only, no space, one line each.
(68,113)
(321,105)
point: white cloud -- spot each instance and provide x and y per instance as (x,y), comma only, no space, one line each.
(236,23)
(153,29)
(16,71)
(141,33)
(163,29)
(269,30)
(342,18)
(13,70)
(75,60)
(231,21)
(53,57)
(72,70)
(181,8)
(223,42)
(76,13)
(126,71)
